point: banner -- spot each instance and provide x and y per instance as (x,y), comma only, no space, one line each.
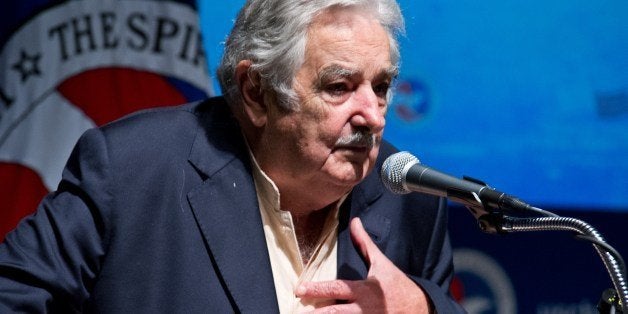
(67,66)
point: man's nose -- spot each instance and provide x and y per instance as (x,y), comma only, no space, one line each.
(369,111)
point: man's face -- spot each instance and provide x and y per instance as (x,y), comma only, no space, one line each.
(341,88)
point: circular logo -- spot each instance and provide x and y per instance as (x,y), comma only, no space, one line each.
(411,101)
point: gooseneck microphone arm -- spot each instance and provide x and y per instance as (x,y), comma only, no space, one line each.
(402,173)
(614,263)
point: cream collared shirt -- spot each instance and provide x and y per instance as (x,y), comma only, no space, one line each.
(283,248)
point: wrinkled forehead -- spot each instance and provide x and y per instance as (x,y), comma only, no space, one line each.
(348,42)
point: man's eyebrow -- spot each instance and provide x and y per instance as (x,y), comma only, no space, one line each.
(335,71)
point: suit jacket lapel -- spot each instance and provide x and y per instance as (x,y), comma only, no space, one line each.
(226,210)
(351,264)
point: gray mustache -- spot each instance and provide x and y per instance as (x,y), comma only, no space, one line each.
(357,139)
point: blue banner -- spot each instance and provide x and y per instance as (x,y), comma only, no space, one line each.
(531,97)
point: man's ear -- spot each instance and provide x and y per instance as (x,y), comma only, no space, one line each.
(252,94)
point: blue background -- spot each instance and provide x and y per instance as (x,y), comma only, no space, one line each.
(531,97)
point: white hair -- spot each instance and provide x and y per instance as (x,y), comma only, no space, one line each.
(272,34)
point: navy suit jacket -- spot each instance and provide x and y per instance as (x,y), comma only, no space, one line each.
(157,212)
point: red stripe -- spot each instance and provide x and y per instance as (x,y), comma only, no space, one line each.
(110,93)
(21,189)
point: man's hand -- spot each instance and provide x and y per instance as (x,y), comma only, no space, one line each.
(385,290)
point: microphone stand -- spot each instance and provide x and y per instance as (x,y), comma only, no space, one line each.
(492,220)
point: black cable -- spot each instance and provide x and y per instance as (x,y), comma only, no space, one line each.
(542,212)
(606,247)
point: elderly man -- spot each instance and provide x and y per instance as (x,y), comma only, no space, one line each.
(266,202)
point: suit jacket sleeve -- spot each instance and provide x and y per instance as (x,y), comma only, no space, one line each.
(49,262)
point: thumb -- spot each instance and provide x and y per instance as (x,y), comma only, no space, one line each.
(363,241)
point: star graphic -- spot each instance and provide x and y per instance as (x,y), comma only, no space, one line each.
(28,65)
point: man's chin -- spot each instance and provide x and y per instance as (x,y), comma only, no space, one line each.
(354,173)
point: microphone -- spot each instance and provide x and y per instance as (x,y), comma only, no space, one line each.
(402,173)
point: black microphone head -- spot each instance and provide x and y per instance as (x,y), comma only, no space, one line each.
(394,171)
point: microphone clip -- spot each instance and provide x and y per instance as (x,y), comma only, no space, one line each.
(490,218)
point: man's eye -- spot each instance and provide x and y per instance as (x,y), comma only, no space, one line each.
(336,89)
(381,89)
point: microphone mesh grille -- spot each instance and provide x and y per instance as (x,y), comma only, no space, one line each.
(393,175)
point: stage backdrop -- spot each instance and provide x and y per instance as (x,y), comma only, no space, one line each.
(531,97)
(66,66)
